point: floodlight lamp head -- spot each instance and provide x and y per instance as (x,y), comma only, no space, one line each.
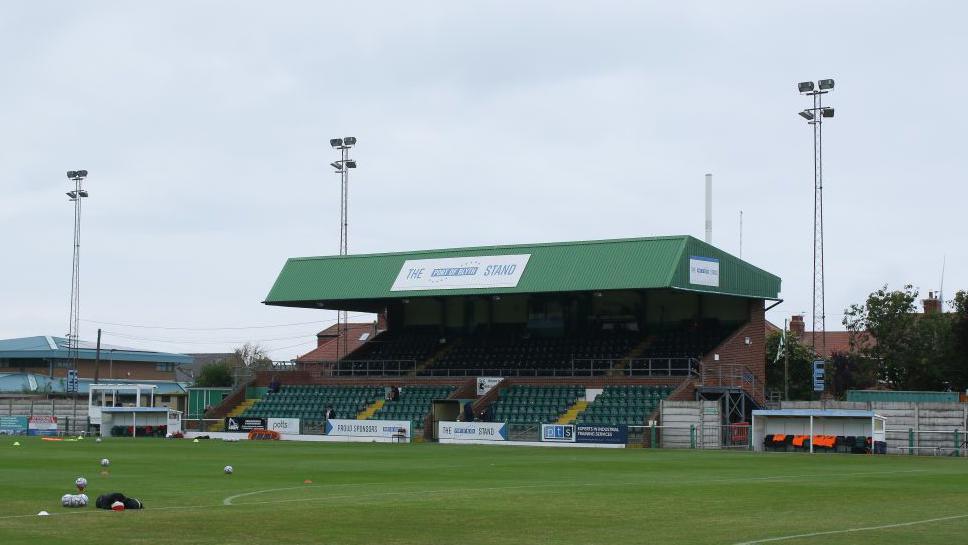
(350,140)
(336,142)
(805,86)
(350,163)
(72,195)
(336,165)
(827,112)
(72,174)
(826,84)
(807,114)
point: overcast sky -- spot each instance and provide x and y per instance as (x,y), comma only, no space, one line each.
(205,128)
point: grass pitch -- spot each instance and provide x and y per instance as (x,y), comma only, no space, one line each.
(443,494)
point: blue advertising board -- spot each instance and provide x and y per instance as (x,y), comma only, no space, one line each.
(559,433)
(602,434)
(818,375)
(13,425)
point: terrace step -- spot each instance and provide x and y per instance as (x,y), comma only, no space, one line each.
(366,413)
(572,413)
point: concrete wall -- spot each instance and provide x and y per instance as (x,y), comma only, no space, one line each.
(676,418)
(934,424)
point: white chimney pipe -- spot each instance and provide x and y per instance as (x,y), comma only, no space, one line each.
(709,209)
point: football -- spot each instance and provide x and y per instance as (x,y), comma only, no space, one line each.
(227,470)
(105,462)
(81,483)
(117,506)
(66,500)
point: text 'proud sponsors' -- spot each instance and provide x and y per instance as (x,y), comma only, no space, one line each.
(472,431)
(704,271)
(489,271)
(368,428)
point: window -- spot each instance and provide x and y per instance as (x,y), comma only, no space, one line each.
(165,367)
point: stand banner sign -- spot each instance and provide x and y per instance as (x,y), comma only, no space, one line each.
(602,434)
(13,425)
(472,272)
(486,384)
(472,431)
(284,425)
(704,271)
(239,424)
(558,433)
(368,428)
(42,425)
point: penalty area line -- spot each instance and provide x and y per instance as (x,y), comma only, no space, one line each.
(850,530)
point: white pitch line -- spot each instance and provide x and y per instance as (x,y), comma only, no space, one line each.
(849,530)
(228,500)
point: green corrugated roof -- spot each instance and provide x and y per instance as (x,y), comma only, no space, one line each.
(637,263)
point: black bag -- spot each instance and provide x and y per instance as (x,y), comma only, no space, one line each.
(104,501)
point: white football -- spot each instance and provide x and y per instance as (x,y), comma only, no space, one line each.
(105,462)
(66,500)
(84,499)
(228,470)
(81,483)
(98,440)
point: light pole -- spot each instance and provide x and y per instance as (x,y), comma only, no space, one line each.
(77,196)
(343,166)
(815,117)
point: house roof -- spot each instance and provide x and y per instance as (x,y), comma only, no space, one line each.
(49,347)
(366,282)
(835,341)
(328,347)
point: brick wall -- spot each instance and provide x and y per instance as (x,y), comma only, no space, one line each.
(735,351)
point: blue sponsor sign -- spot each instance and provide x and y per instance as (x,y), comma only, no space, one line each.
(602,434)
(561,433)
(13,425)
(818,375)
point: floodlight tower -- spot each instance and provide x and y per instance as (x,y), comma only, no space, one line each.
(815,117)
(77,195)
(343,166)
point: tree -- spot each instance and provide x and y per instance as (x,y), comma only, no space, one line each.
(959,339)
(245,361)
(912,351)
(214,375)
(800,362)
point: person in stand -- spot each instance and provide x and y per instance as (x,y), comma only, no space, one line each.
(330,413)
(274,385)
(394,393)
(468,412)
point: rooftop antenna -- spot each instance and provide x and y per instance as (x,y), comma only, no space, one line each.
(709,208)
(944,261)
(741,234)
